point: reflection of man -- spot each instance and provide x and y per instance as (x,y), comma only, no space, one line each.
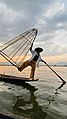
(33,61)
(29,108)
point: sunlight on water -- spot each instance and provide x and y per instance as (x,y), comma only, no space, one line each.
(35,100)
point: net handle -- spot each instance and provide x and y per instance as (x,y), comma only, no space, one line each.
(6,57)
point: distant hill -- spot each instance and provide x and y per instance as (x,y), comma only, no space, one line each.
(51,64)
(61,63)
(5,64)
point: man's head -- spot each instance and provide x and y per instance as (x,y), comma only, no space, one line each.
(38,49)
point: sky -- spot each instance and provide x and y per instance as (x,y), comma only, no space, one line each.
(48,16)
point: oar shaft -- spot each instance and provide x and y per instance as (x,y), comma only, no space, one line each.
(55,72)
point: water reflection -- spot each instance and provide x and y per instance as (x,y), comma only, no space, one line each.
(52,98)
(29,109)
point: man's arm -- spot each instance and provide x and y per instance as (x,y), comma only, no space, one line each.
(31,47)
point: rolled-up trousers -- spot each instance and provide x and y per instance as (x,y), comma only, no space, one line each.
(33,67)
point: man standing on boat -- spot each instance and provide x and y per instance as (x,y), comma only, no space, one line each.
(33,61)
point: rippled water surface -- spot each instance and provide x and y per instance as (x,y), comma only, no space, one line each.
(35,100)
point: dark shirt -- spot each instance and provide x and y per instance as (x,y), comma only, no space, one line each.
(36,57)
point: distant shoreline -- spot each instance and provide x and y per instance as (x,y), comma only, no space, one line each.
(40,65)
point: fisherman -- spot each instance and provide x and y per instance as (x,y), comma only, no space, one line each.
(33,61)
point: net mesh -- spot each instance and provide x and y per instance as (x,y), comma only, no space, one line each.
(15,51)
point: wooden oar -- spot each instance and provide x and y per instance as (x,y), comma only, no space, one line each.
(55,72)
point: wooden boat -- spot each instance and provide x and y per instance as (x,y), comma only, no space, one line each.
(15,79)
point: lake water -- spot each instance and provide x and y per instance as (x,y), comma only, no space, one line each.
(35,100)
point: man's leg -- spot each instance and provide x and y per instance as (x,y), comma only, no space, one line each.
(33,67)
(24,65)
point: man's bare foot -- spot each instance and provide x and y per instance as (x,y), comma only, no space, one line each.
(19,68)
(35,79)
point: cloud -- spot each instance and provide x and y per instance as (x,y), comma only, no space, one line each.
(48,16)
(55,8)
(53,43)
(7,14)
(8,18)
(51,16)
